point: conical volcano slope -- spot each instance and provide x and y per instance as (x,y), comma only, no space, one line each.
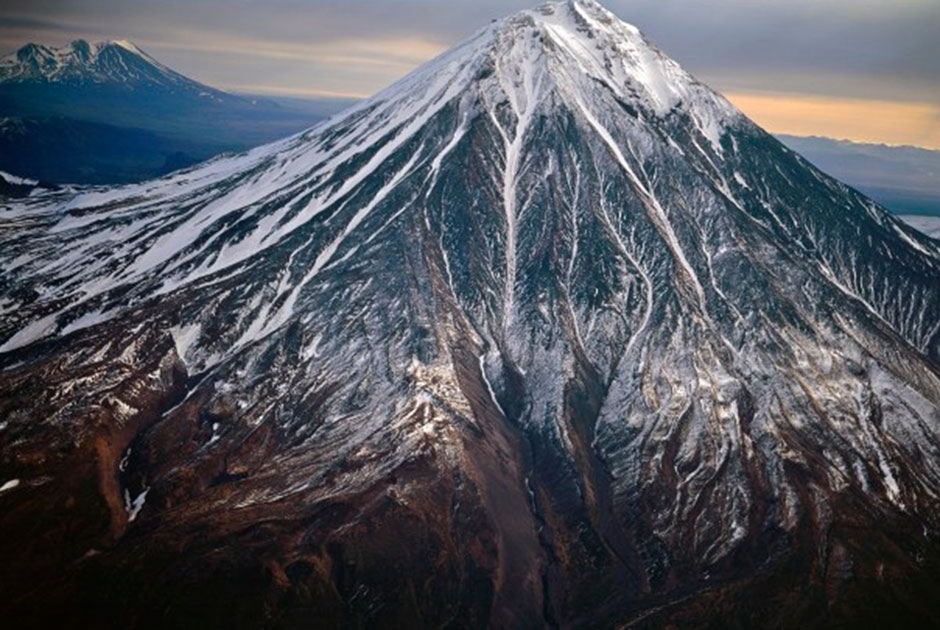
(547,333)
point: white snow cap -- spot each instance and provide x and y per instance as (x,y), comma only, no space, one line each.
(79,58)
(567,42)
(126,45)
(618,54)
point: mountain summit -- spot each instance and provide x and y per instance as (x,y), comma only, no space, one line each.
(112,63)
(545,334)
(108,113)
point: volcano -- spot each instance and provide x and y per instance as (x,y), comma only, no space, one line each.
(117,64)
(547,334)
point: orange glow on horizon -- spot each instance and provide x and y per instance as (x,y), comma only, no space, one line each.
(880,122)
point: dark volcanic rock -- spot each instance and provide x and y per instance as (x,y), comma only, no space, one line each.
(547,334)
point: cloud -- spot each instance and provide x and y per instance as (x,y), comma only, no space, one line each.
(28,24)
(753,44)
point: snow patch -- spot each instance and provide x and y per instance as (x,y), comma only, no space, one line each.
(927,225)
(133,507)
(85,321)
(17,181)
(124,460)
(33,331)
(489,386)
(215,434)
(184,337)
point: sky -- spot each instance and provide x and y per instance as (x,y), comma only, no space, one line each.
(860,70)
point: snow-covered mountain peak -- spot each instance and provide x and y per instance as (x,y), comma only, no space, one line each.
(128,46)
(112,62)
(569,52)
(39,62)
(605,48)
(618,54)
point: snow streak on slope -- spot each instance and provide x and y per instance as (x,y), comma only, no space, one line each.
(928,225)
(202,222)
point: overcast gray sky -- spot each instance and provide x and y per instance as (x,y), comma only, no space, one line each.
(878,57)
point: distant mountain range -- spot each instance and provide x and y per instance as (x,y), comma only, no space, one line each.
(906,180)
(111,113)
(114,64)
